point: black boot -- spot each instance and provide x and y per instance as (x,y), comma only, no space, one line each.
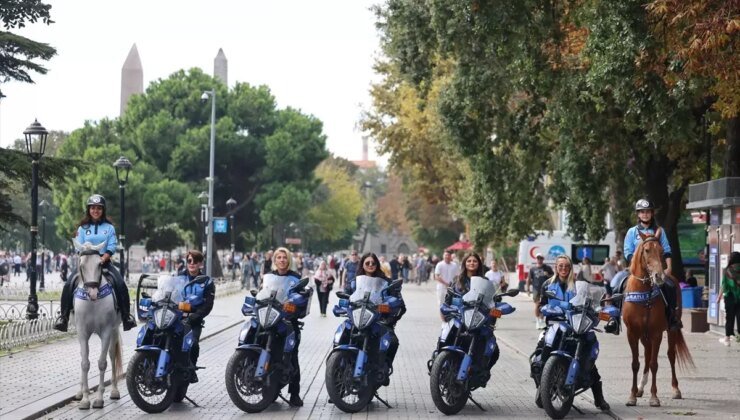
(66,307)
(124,305)
(599,400)
(669,292)
(295,400)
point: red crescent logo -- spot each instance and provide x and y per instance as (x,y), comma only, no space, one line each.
(532,251)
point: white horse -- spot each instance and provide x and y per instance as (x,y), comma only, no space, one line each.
(95,313)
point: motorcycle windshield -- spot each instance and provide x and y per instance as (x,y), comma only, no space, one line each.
(171,286)
(588,293)
(368,286)
(279,285)
(480,287)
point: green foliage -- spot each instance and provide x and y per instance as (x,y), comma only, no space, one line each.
(18,54)
(264,159)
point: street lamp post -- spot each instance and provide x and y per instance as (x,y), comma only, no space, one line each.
(231,204)
(209,245)
(123,166)
(35,136)
(367,186)
(203,197)
(43,205)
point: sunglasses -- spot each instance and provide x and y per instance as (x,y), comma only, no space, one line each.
(192,261)
(563,266)
(370,263)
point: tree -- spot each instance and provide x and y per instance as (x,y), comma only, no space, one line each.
(265,159)
(336,207)
(18,54)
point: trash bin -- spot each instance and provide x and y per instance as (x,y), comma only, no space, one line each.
(691,296)
(699,320)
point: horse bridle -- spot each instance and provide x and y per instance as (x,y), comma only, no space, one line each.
(651,276)
(82,277)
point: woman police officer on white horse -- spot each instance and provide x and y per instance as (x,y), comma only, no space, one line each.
(96,228)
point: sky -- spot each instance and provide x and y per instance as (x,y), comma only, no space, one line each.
(314,55)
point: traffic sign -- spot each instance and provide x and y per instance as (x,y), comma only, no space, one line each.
(220,225)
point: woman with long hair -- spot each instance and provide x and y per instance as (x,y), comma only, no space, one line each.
(730,291)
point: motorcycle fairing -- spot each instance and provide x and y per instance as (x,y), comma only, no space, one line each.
(360,364)
(187,342)
(249,326)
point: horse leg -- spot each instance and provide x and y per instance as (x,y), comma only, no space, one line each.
(646,346)
(634,346)
(85,364)
(105,339)
(654,401)
(115,359)
(672,360)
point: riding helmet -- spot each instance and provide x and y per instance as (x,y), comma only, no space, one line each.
(643,204)
(96,200)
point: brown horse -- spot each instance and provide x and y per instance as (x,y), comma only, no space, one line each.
(643,311)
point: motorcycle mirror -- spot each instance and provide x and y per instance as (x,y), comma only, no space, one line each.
(342,295)
(253,292)
(395,284)
(512,292)
(145,295)
(615,297)
(301,284)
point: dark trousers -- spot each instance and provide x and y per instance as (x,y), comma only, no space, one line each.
(119,288)
(732,314)
(195,349)
(669,291)
(295,380)
(392,348)
(323,300)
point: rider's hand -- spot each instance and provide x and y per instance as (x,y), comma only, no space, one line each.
(105,258)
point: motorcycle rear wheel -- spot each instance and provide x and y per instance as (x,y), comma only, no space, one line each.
(556,398)
(248,394)
(150,394)
(341,386)
(449,396)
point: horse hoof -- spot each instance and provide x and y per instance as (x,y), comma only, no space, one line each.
(639,393)
(78,396)
(677,395)
(115,395)
(97,404)
(654,402)
(631,402)
(84,405)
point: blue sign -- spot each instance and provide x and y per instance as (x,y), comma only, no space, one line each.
(220,225)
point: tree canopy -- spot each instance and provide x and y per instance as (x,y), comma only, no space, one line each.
(265,159)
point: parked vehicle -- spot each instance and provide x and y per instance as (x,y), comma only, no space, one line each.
(467,349)
(160,370)
(357,365)
(261,365)
(563,364)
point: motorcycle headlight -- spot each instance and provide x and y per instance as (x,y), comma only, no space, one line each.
(362,317)
(163,318)
(267,316)
(473,319)
(580,323)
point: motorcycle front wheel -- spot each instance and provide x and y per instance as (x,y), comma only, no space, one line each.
(181,392)
(347,394)
(248,393)
(150,394)
(556,398)
(448,395)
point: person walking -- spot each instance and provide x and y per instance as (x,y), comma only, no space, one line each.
(444,274)
(324,283)
(497,277)
(730,291)
(538,275)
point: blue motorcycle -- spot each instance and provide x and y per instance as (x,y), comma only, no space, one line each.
(467,349)
(563,365)
(261,365)
(160,370)
(357,365)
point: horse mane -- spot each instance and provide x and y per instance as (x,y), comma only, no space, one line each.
(636,264)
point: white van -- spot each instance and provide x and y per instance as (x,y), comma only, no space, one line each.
(559,242)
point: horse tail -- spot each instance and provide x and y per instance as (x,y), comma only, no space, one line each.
(685,361)
(117,355)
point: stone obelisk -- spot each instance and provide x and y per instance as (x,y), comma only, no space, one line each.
(221,67)
(132,77)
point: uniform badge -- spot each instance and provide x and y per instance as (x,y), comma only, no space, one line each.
(88,232)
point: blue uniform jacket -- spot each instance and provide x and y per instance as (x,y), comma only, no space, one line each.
(96,233)
(632,240)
